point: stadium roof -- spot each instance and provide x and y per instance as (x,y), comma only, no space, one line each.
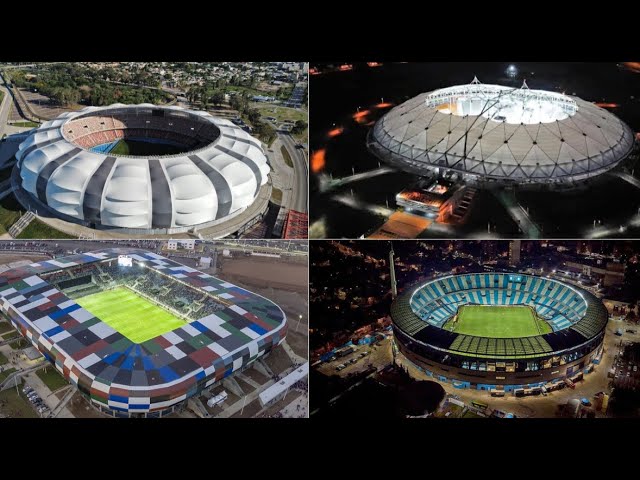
(153,375)
(283,384)
(61,165)
(492,132)
(591,324)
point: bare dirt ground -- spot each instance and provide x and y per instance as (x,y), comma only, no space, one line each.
(17,257)
(278,360)
(80,408)
(289,291)
(272,272)
(43,106)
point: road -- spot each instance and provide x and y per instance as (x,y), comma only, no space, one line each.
(300,193)
(5,108)
(519,215)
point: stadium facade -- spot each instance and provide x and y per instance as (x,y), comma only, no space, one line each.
(576,317)
(492,134)
(67,166)
(225,328)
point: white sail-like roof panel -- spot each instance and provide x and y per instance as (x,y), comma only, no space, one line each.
(511,132)
(113,190)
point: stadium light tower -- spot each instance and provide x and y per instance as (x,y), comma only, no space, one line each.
(394,284)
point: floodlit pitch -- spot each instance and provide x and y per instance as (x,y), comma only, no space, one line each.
(497,322)
(133,316)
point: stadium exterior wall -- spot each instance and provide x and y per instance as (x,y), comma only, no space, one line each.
(431,362)
(475,361)
(30,202)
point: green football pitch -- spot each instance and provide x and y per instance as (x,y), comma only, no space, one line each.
(497,322)
(133,316)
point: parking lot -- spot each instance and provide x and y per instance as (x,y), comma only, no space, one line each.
(38,404)
(362,357)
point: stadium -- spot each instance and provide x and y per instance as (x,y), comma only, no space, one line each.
(492,134)
(141,169)
(499,331)
(136,333)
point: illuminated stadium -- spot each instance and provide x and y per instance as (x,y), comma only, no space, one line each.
(497,134)
(141,168)
(136,333)
(500,331)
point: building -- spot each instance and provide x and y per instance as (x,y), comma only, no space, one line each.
(188,169)
(426,331)
(514,252)
(205,262)
(501,135)
(279,390)
(188,244)
(150,377)
(489,251)
(606,272)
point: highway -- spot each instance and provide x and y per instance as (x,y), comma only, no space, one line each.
(300,192)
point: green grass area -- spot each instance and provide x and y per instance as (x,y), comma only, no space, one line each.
(133,316)
(19,344)
(6,374)
(497,322)
(25,124)
(302,137)
(51,378)
(5,327)
(134,147)
(3,359)
(250,91)
(39,229)
(276,196)
(10,336)
(10,211)
(287,157)
(281,113)
(15,405)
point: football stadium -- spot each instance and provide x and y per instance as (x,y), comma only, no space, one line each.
(136,333)
(491,134)
(141,169)
(499,331)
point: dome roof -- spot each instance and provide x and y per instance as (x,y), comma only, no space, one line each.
(492,132)
(219,172)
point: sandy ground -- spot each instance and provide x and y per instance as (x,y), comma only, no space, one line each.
(18,257)
(275,272)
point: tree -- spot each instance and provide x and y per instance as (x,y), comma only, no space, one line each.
(253,115)
(299,127)
(217,98)
(264,132)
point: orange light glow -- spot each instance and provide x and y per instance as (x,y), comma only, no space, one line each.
(374,64)
(346,67)
(383,105)
(633,66)
(318,160)
(313,71)
(361,117)
(335,132)
(607,105)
